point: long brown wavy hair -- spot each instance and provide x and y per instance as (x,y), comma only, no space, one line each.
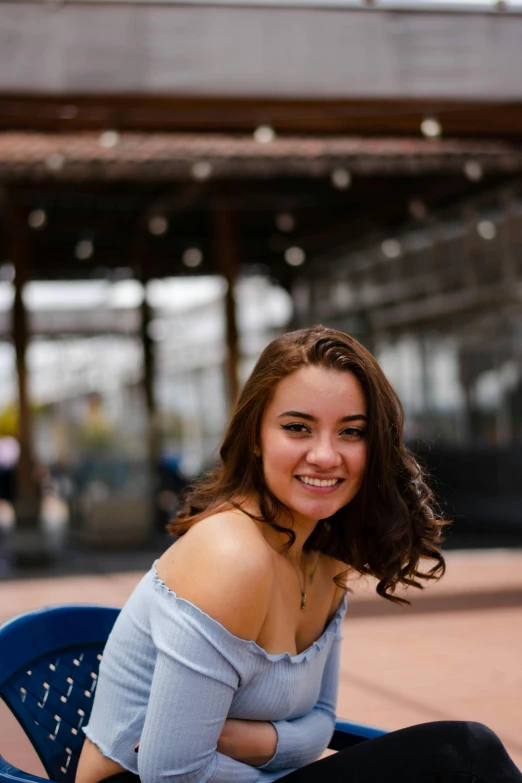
(390,525)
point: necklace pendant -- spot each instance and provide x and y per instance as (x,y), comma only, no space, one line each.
(303,601)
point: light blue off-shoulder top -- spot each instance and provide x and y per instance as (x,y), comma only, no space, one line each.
(171,675)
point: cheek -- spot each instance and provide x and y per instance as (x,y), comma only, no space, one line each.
(359,460)
(277,456)
(275,469)
(280,455)
(276,446)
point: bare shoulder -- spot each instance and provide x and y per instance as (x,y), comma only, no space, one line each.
(223,566)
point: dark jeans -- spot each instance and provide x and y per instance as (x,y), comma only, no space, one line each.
(439,752)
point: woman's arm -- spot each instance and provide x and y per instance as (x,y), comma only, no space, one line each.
(287,743)
(302,740)
(253,742)
(293,742)
(195,679)
(188,705)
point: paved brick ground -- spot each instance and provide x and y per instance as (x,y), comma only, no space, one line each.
(454,654)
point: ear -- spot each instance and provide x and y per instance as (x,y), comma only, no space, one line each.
(257,451)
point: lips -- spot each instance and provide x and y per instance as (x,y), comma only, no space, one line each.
(316,482)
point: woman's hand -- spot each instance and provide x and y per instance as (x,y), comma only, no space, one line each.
(253,742)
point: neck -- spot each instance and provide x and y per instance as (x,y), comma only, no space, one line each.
(302,530)
(301,527)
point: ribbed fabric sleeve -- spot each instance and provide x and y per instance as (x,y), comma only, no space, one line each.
(171,675)
(195,679)
(302,740)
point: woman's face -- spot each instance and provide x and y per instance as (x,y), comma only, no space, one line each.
(313,441)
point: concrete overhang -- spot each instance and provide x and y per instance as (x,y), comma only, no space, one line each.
(334,51)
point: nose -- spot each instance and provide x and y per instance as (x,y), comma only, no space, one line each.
(324,455)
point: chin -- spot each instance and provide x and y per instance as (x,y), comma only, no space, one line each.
(318,511)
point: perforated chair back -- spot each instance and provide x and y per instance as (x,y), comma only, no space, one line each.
(49,662)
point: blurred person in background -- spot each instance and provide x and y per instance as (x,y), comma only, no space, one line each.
(9,456)
(223,666)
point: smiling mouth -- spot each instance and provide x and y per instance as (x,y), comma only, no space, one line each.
(314,482)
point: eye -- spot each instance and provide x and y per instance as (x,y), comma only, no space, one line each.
(296,427)
(353,433)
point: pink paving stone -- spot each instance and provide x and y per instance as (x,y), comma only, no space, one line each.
(397,668)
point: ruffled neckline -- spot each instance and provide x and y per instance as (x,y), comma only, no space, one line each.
(332,629)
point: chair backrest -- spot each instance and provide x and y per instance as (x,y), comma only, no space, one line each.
(49,662)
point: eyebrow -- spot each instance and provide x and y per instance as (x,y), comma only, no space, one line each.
(309,417)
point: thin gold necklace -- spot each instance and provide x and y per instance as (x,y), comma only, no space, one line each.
(302,587)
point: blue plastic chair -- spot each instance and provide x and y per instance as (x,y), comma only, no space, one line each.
(49,662)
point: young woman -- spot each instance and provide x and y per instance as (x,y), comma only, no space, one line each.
(223,665)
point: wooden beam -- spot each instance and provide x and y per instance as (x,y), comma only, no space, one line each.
(144,112)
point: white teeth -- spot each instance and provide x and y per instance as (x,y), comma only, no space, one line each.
(318,482)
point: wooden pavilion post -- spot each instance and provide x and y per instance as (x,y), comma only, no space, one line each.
(226,232)
(153,429)
(149,372)
(29,544)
